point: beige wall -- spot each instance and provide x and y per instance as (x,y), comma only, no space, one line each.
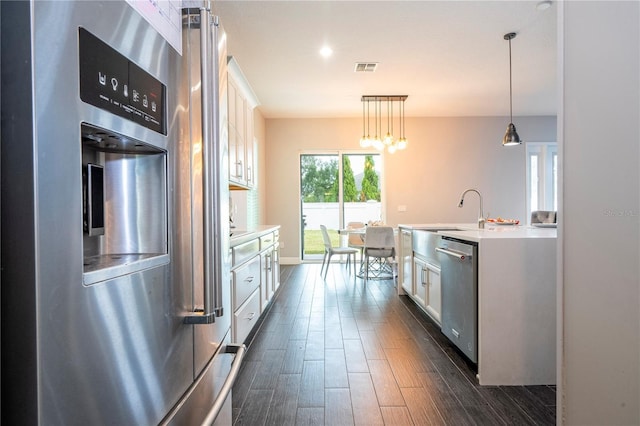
(261,158)
(445,156)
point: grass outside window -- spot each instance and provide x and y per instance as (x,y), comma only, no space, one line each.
(313,243)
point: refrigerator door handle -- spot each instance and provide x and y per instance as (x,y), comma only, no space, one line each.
(217,158)
(210,180)
(239,350)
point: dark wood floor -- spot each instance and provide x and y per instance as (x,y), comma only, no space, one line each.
(337,352)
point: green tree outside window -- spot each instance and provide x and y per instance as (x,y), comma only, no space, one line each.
(370,188)
(348,181)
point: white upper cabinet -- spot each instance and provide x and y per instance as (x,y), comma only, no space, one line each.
(242,101)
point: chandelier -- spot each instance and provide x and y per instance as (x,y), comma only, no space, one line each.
(388,141)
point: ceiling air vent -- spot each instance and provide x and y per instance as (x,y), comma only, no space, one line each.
(366,66)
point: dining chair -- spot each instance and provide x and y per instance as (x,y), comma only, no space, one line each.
(379,247)
(329,251)
(356,240)
(543,216)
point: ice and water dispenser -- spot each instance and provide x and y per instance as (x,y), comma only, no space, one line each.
(124,179)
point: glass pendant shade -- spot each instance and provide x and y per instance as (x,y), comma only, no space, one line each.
(388,139)
(402,143)
(378,144)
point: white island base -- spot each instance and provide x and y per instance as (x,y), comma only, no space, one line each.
(516,302)
(517,312)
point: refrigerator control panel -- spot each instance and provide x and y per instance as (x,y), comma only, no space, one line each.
(111,82)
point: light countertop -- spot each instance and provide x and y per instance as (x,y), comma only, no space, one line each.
(471,232)
(240,236)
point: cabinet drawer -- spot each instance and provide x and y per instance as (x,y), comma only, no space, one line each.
(266,240)
(246,279)
(245,251)
(246,317)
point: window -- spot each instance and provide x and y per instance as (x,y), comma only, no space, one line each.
(335,189)
(542,176)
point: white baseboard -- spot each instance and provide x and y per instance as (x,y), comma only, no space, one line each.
(297,261)
(290,261)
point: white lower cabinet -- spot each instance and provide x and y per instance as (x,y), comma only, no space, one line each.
(420,289)
(255,277)
(406,259)
(245,317)
(246,279)
(275,260)
(427,287)
(267,277)
(434,298)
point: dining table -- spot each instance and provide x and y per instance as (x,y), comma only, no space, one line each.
(376,270)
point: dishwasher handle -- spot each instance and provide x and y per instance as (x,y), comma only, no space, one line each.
(457,255)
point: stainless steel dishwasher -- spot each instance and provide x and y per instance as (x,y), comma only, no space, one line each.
(459,266)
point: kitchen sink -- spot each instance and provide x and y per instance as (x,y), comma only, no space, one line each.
(425,242)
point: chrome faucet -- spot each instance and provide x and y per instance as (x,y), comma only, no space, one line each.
(481,218)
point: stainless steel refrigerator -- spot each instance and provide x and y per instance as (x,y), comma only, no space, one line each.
(115,302)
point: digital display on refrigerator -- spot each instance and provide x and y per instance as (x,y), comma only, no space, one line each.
(110,81)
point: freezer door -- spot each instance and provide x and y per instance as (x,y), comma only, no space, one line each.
(208,402)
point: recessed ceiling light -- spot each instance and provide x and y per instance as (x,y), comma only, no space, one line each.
(326,51)
(544,5)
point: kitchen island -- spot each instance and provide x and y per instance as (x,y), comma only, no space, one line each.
(516,300)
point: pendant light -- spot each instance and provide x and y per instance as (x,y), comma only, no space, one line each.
(402,141)
(388,141)
(377,142)
(365,142)
(363,139)
(511,136)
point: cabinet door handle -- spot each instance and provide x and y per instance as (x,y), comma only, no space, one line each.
(249,279)
(250,316)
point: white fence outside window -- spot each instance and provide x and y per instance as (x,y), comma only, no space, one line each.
(328,214)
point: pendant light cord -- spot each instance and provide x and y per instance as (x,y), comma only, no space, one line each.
(363,128)
(510,86)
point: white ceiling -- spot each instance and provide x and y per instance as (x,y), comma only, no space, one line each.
(449,57)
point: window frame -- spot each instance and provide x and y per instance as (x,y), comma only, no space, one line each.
(341,216)
(547,177)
